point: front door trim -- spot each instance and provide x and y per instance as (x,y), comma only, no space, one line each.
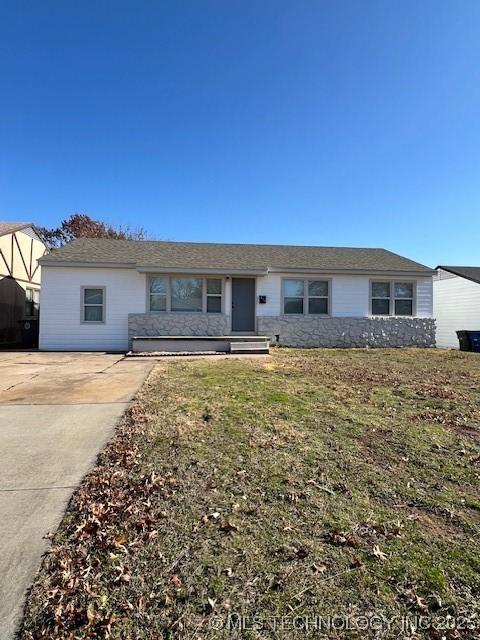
(253,326)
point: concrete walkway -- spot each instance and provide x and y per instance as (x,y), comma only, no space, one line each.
(57,410)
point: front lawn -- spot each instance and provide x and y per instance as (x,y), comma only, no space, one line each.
(273,498)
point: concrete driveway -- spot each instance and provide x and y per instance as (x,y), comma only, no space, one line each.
(57,410)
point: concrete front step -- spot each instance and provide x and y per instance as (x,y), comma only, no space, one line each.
(249,347)
(200,344)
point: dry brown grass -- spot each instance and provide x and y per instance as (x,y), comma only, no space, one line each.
(318,483)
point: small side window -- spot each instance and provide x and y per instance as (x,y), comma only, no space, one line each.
(158,294)
(214,295)
(93,304)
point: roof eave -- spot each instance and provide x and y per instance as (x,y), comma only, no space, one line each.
(418,273)
(22,227)
(47,261)
(202,270)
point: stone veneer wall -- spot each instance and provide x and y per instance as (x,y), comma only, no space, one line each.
(309,331)
(177,324)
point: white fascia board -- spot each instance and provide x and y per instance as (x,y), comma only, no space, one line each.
(45,262)
(203,271)
(357,272)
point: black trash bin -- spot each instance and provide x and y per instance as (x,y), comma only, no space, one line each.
(29,328)
(464,340)
(474,337)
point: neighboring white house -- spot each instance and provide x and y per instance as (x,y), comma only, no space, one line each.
(20,248)
(456,303)
(97,294)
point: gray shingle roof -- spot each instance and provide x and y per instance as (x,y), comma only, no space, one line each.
(7,226)
(229,257)
(471,273)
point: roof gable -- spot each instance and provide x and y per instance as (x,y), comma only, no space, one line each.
(7,226)
(470,273)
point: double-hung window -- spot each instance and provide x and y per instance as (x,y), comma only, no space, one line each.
(403,297)
(318,297)
(93,304)
(214,295)
(187,294)
(158,294)
(293,296)
(392,298)
(381,295)
(306,297)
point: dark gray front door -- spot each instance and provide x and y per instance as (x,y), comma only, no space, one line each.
(243,304)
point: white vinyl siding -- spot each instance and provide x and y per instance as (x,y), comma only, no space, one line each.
(424,301)
(349,295)
(60,317)
(456,308)
(127,291)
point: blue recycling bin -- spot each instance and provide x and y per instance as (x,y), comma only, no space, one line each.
(474,340)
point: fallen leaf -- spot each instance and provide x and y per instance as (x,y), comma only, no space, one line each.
(207,517)
(211,603)
(176,581)
(356,564)
(319,568)
(378,553)
(352,540)
(229,527)
(337,537)
(121,539)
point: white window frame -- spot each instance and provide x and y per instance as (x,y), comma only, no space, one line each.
(83,288)
(392,298)
(306,297)
(149,293)
(213,295)
(168,288)
(413,298)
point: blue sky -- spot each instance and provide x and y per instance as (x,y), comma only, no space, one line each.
(324,122)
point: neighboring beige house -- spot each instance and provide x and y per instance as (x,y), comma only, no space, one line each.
(102,294)
(456,303)
(20,249)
